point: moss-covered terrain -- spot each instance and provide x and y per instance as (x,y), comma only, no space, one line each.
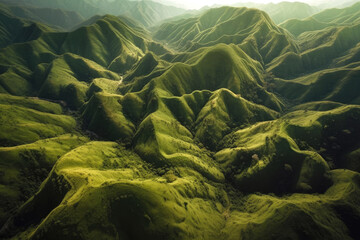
(231,127)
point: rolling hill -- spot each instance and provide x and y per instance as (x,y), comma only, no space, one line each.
(229,128)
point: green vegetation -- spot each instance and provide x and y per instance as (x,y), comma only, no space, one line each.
(147,13)
(280,12)
(54,17)
(250,28)
(230,128)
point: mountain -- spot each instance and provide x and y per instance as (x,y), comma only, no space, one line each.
(326,18)
(251,28)
(147,13)
(15,30)
(334,43)
(283,11)
(82,7)
(229,128)
(56,18)
(340,16)
(40,65)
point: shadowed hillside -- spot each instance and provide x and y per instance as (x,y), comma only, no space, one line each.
(230,128)
(54,17)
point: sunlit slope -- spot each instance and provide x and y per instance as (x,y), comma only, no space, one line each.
(166,117)
(29,68)
(204,144)
(338,84)
(34,134)
(138,202)
(251,28)
(319,50)
(292,153)
(347,15)
(280,12)
(326,18)
(296,26)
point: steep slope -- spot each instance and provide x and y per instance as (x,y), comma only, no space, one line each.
(54,17)
(319,49)
(326,18)
(251,28)
(338,84)
(108,42)
(189,145)
(34,134)
(297,26)
(280,12)
(15,30)
(340,16)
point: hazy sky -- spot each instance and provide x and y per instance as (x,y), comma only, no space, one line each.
(195,4)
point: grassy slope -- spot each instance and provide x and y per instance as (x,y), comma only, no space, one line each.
(338,84)
(326,18)
(251,28)
(176,178)
(34,134)
(28,120)
(146,12)
(283,11)
(58,18)
(15,30)
(319,50)
(42,64)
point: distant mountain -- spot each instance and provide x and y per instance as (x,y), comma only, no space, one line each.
(82,7)
(323,19)
(324,4)
(57,18)
(15,30)
(283,11)
(146,12)
(347,15)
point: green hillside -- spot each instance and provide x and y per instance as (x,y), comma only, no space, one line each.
(54,17)
(280,12)
(147,13)
(15,30)
(223,125)
(297,26)
(339,16)
(324,19)
(60,66)
(251,28)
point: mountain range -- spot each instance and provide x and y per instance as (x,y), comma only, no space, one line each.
(226,123)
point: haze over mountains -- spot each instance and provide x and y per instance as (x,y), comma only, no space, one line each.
(139,120)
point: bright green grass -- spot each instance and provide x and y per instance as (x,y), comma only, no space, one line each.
(24,167)
(21,125)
